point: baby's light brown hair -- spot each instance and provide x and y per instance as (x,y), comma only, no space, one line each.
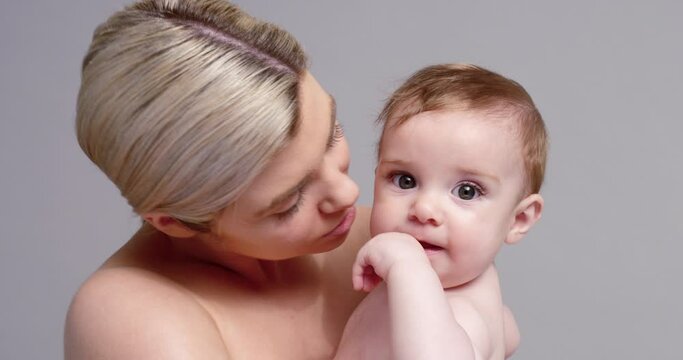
(466,87)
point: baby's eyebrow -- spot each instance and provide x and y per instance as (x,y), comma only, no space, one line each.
(393,162)
(475,173)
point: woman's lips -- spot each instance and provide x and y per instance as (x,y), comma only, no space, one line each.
(345,224)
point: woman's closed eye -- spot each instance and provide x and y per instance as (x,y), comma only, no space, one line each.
(290,211)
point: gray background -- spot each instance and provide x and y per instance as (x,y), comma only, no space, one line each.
(596,279)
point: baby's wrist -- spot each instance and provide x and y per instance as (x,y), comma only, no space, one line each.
(411,269)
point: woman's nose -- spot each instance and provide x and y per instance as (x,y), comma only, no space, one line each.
(342,193)
(425,210)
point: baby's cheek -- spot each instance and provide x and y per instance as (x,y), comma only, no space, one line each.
(485,242)
(375,223)
(380,219)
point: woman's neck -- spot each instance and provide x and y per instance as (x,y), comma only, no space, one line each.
(297,271)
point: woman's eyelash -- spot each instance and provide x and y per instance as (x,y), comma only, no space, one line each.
(287,214)
(338,134)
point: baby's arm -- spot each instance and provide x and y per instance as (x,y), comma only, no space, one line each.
(422,323)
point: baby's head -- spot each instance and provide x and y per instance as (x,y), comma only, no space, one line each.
(461,161)
(470,88)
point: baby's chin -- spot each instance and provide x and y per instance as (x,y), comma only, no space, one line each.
(452,284)
(450,280)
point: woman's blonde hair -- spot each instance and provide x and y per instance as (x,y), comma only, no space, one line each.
(467,87)
(182,103)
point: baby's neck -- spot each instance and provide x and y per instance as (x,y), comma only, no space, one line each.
(486,278)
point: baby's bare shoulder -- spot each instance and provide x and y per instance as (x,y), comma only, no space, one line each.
(129,313)
(478,308)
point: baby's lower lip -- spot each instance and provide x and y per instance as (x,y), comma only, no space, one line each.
(429,247)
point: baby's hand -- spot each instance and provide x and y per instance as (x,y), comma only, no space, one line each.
(376,258)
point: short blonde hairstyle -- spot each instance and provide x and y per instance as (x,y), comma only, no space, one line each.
(183,102)
(469,87)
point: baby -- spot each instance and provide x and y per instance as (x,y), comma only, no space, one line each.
(461,161)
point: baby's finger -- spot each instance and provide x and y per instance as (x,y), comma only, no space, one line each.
(357,282)
(370,281)
(357,272)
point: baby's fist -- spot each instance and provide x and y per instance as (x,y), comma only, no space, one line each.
(384,251)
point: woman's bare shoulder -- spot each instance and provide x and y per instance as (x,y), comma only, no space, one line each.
(343,256)
(127,312)
(360,231)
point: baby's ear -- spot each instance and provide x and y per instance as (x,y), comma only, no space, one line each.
(527,212)
(168,225)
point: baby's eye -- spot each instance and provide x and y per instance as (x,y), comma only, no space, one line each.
(403,181)
(467,191)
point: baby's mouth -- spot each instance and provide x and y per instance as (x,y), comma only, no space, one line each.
(429,247)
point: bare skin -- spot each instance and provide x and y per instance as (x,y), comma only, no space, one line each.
(181,307)
(368,331)
(270,281)
(436,234)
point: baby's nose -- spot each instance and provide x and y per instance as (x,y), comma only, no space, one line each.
(426,210)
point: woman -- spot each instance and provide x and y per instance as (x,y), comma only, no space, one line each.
(210,125)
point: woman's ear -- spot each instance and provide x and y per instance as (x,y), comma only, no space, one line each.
(527,212)
(168,225)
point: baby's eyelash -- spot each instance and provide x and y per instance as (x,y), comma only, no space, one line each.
(480,189)
(394,173)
